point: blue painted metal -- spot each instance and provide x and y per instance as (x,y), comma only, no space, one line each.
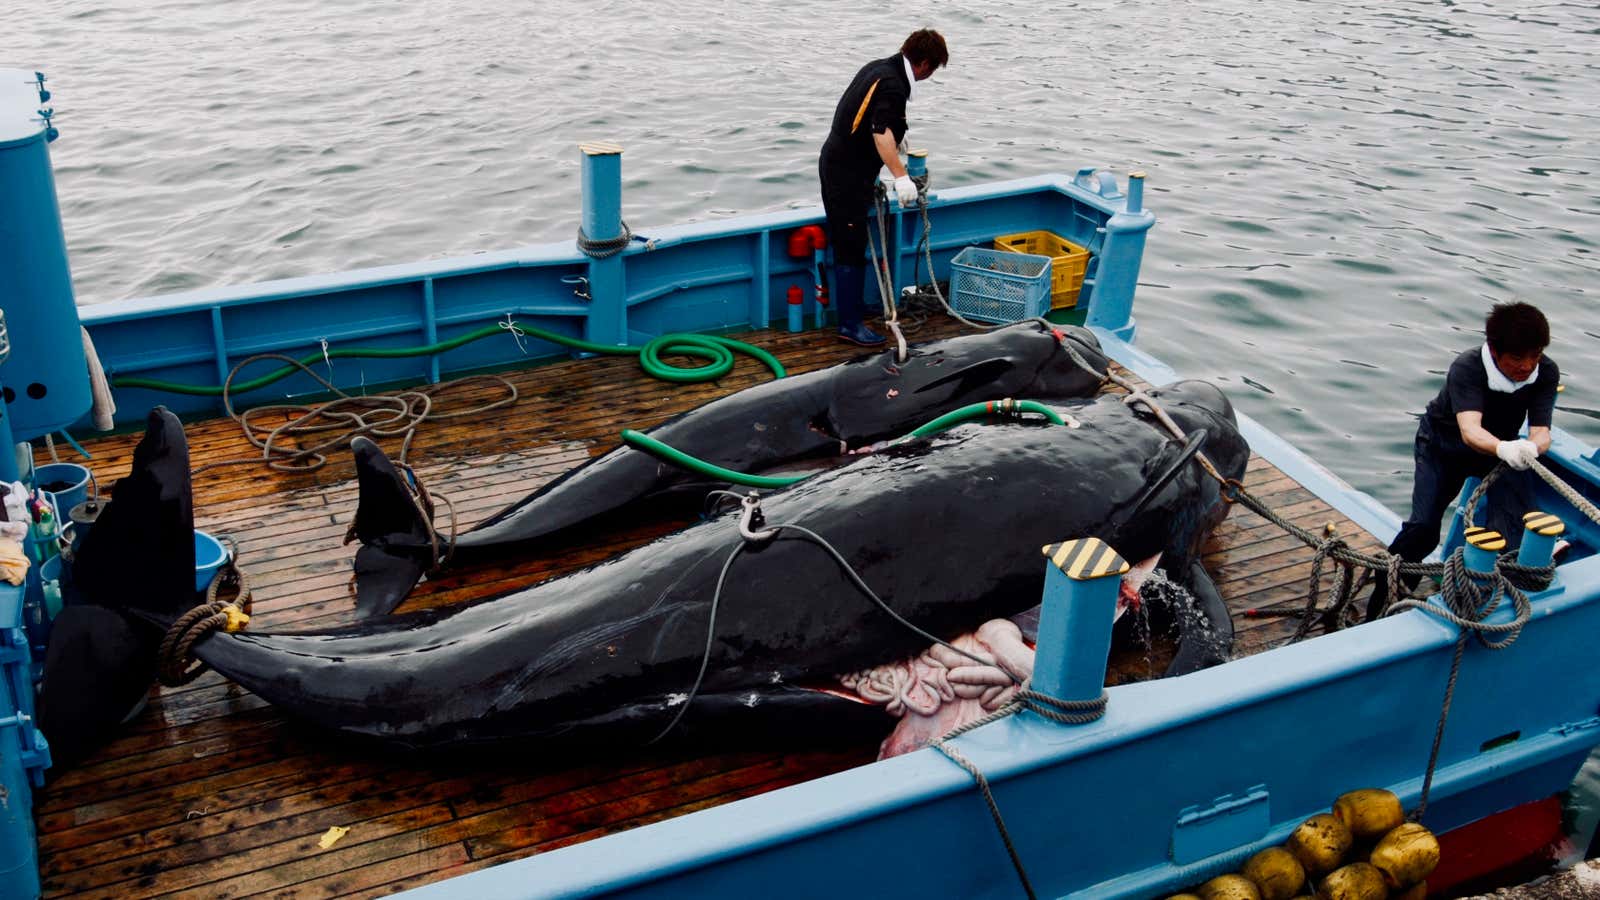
(24,754)
(700,277)
(1092,809)
(607,322)
(46,370)
(797,313)
(1075,621)
(1228,822)
(1538,544)
(1476,558)
(1117,273)
(818,290)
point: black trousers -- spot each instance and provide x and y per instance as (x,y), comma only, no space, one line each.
(846,198)
(1440,473)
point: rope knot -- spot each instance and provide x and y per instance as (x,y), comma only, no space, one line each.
(175,661)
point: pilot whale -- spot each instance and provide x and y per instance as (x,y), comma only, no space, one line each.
(708,632)
(827,414)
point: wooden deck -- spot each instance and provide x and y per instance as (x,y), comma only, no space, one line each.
(211,793)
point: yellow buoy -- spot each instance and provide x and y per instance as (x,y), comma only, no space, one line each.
(1369,813)
(1276,872)
(1229,887)
(1406,855)
(1357,881)
(1320,844)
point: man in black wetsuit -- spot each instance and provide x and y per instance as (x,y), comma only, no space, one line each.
(868,126)
(1473,423)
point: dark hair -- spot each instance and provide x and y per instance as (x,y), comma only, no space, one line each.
(926,45)
(1516,328)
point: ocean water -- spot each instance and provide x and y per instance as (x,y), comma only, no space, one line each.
(1342,188)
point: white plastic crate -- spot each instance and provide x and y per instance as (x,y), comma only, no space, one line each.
(999,286)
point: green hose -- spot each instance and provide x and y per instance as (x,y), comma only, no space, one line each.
(645,442)
(718,350)
(650,445)
(978,410)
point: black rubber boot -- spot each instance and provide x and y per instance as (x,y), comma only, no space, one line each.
(848,283)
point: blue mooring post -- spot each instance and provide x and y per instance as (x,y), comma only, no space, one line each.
(1081,582)
(602,221)
(1111,300)
(1483,549)
(917,163)
(916,167)
(1540,530)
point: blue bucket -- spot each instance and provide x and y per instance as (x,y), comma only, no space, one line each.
(67,482)
(209,555)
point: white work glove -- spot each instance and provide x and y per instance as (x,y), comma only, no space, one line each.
(906,190)
(1518,454)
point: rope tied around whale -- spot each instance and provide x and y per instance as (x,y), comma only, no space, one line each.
(176,664)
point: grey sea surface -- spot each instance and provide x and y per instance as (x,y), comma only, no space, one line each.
(1343,188)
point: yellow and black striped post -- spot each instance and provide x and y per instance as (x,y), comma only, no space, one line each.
(1079,606)
(1482,549)
(1540,530)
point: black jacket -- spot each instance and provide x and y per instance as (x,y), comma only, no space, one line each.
(874,101)
(1466,388)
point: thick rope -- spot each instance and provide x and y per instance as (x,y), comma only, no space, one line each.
(880,276)
(344,417)
(176,664)
(607,248)
(1466,607)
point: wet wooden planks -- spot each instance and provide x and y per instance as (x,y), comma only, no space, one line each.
(211,793)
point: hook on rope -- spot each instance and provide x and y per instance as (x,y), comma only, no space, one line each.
(750,518)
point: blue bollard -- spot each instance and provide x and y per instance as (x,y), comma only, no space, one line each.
(1540,531)
(917,163)
(1483,549)
(1121,253)
(607,322)
(1080,602)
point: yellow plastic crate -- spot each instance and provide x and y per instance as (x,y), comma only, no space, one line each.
(1067,262)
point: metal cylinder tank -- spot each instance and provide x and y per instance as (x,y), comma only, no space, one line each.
(45,377)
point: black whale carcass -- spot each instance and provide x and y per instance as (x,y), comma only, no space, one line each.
(947,530)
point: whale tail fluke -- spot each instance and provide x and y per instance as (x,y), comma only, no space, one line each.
(394,524)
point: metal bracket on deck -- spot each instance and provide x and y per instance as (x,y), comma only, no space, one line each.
(1230,821)
(580,286)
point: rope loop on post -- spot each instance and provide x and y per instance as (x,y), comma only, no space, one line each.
(607,248)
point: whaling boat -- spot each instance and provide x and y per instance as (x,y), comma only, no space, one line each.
(207,790)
